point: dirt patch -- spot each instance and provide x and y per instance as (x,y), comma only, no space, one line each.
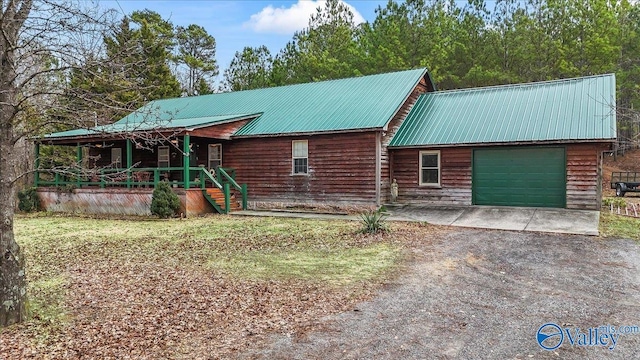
(475,294)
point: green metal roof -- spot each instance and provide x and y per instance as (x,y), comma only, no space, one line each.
(346,104)
(571,109)
(138,121)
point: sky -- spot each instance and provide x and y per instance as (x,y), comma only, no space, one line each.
(236,24)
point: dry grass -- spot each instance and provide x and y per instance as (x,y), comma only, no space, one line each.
(204,287)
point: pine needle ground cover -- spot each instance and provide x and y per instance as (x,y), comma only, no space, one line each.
(196,288)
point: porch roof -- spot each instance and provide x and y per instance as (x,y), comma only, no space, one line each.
(140,121)
(352,104)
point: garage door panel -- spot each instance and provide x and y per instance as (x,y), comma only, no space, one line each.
(519,177)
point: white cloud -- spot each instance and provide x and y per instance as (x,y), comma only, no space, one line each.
(288,20)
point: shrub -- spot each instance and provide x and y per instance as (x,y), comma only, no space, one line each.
(616,202)
(165,203)
(373,222)
(28,200)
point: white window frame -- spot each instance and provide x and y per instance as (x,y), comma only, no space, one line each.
(294,158)
(420,168)
(161,155)
(116,157)
(209,159)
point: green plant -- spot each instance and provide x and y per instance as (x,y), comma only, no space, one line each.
(164,203)
(373,222)
(28,200)
(616,202)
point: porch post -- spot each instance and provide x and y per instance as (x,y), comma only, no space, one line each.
(79,161)
(36,177)
(129,162)
(185,160)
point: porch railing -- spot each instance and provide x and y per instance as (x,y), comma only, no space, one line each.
(227,177)
(224,179)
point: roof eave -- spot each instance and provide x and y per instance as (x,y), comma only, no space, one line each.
(425,75)
(248,117)
(307,133)
(120,134)
(505,143)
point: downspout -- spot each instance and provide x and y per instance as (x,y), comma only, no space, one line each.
(378,166)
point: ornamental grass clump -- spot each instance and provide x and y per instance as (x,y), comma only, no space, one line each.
(373,222)
(164,203)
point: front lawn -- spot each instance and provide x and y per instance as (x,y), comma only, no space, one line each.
(203,287)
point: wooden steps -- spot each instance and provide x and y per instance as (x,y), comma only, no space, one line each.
(218,196)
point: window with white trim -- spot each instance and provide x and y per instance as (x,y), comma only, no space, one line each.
(300,155)
(163,157)
(430,168)
(116,157)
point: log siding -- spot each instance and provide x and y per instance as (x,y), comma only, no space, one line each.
(387,136)
(455,177)
(583,171)
(341,169)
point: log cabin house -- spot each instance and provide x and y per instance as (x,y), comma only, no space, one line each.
(340,143)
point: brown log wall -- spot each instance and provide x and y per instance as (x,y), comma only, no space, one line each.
(583,176)
(392,128)
(455,183)
(341,168)
(222,131)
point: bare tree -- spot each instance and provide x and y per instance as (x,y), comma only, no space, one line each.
(43,43)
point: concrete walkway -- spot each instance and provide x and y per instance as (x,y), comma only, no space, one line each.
(582,222)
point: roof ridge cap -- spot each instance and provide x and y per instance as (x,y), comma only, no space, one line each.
(526,84)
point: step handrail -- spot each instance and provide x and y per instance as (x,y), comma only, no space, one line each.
(206,175)
(222,174)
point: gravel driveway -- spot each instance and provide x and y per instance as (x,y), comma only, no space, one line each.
(483,294)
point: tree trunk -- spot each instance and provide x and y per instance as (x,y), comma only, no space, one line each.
(13,287)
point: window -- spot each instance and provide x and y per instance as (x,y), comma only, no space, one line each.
(215,156)
(300,150)
(116,157)
(163,156)
(430,168)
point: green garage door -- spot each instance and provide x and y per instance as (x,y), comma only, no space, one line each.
(519,177)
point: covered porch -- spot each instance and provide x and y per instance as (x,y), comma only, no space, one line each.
(127,168)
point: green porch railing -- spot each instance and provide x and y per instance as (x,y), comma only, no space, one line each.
(229,179)
(224,179)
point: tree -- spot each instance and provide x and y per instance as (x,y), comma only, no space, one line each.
(415,33)
(196,52)
(24,40)
(46,46)
(155,43)
(327,49)
(249,69)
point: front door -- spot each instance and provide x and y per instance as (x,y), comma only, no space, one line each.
(215,156)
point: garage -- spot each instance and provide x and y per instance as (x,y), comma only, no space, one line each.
(534,145)
(530,176)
